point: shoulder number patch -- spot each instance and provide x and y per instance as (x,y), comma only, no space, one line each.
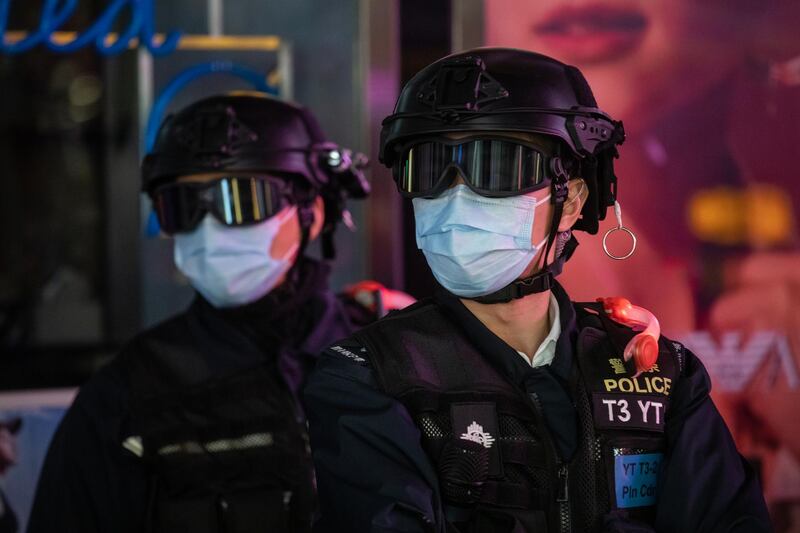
(629,411)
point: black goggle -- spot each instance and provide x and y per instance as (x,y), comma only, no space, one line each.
(234,201)
(490,167)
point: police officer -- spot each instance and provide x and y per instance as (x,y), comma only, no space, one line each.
(196,424)
(8,458)
(498,404)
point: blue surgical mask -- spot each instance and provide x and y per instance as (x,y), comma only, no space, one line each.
(232,266)
(476,245)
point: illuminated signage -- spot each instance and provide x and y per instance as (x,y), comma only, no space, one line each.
(141,28)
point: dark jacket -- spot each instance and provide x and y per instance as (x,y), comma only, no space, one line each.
(91,483)
(374,475)
(8,519)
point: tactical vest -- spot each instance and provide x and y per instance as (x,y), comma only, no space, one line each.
(497,466)
(228,454)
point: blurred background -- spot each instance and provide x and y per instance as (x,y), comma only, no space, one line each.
(709,92)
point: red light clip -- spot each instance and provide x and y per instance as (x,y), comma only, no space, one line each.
(377,298)
(644,346)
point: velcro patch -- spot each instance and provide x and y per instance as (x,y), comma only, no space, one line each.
(629,411)
(636,479)
(477,422)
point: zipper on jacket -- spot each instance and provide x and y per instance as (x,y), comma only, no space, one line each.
(562,470)
(563,498)
(222,513)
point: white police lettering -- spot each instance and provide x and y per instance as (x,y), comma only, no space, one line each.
(475,433)
(610,404)
(99,33)
(347,353)
(624,413)
(631,411)
(645,407)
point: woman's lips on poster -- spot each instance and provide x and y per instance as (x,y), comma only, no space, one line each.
(591,33)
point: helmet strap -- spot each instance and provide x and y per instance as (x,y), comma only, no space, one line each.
(305,214)
(328,246)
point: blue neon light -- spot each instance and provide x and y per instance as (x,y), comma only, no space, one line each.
(57,12)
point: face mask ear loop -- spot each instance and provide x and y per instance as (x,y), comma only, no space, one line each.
(290,253)
(578,194)
(305,217)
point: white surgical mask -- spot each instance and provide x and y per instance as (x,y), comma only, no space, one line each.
(232,266)
(476,245)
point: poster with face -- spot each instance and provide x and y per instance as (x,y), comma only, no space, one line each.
(709,92)
(28,420)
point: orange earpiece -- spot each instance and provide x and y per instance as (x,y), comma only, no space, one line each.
(643,348)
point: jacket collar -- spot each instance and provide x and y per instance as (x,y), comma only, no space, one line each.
(502,356)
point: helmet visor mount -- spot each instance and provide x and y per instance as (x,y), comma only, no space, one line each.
(232,200)
(490,166)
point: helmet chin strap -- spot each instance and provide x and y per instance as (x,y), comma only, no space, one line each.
(305,215)
(305,212)
(544,279)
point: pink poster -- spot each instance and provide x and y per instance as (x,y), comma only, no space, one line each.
(709,180)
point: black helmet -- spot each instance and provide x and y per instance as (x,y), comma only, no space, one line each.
(254,132)
(507,90)
(500,89)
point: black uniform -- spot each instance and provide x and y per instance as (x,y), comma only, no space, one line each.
(196,425)
(393,434)
(8,520)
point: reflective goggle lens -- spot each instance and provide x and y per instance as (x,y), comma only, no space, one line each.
(492,167)
(234,201)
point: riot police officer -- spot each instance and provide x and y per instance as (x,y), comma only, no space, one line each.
(498,404)
(8,458)
(196,425)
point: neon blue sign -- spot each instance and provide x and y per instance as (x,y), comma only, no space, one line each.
(57,12)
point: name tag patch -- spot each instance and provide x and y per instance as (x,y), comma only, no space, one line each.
(636,479)
(629,411)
